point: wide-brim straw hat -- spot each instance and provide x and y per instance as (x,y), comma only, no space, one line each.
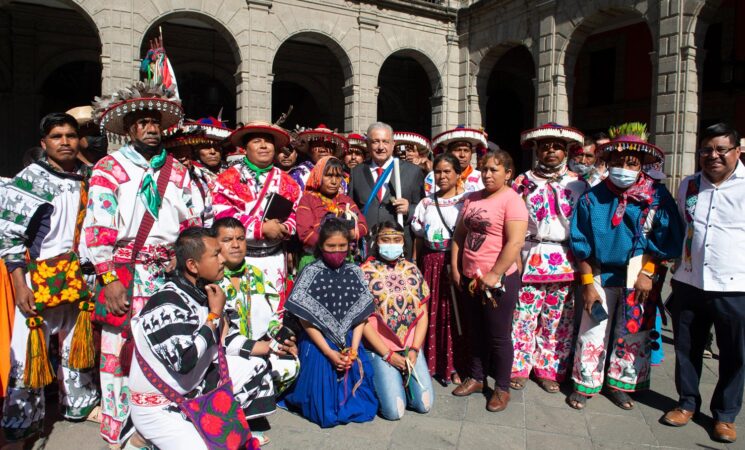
(571,136)
(477,138)
(323,134)
(110,111)
(632,137)
(281,137)
(421,143)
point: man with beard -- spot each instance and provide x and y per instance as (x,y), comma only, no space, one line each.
(542,325)
(40,215)
(130,228)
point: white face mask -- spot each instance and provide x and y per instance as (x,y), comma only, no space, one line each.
(579,168)
(621,177)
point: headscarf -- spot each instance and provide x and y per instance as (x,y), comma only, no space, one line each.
(332,300)
(316,175)
(642,192)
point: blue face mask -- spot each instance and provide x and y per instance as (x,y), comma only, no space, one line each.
(621,177)
(390,252)
(579,168)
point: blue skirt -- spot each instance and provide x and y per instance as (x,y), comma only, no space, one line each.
(321,394)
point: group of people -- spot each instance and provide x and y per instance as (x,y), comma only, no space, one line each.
(198,277)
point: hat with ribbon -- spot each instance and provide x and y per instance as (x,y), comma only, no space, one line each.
(475,138)
(421,143)
(632,137)
(109,111)
(322,134)
(571,136)
(280,136)
(357,140)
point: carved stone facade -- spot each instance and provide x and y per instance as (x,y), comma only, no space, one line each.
(500,64)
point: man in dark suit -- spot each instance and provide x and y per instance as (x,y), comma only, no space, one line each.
(387,202)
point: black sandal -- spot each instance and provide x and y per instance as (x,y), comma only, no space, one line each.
(577,401)
(620,399)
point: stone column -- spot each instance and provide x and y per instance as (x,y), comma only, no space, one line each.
(254,79)
(351,93)
(676,95)
(551,94)
(368,68)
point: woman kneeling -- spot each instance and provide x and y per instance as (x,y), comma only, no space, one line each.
(396,330)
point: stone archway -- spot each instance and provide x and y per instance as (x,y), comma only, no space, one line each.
(310,72)
(507,94)
(722,73)
(53,59)
(409,92)
(609,71)
(205,59)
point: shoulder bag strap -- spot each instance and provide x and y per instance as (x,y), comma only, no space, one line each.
(167,391)
(442,218)
(147,219)
(81,214)
(262,194)
(157,382)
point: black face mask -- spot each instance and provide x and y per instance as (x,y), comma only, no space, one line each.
(98,144)
(142,147)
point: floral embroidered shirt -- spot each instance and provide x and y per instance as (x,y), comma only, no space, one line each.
(400,295)
(550,204)
(114,213)
(238,193)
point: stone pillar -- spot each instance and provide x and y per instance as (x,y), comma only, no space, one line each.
(368,68)
(450,87)
(551,94)
(474,110)
(254,79)
(351,93)
(676,95)
(439,106)
(120,49)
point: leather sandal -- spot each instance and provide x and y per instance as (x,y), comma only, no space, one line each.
(550,386)
(518,383)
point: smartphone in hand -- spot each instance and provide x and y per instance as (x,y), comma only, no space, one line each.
(597,312)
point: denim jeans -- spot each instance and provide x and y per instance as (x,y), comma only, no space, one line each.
(389,387)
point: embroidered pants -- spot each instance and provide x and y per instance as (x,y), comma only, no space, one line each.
(542,330)
(629,368)
(116,427)
(23,411)
(163,425)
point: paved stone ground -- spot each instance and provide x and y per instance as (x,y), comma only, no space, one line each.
(534,420)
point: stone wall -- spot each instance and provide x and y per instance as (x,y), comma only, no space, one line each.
(457,44)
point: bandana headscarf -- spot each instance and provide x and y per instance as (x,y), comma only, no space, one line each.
(642,192)
(332,300)
(316,175)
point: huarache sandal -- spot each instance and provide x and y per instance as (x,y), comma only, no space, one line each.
(620,399)
(577,401)
(518,383)
(550,386)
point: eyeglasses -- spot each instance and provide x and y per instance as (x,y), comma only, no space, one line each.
(721,151)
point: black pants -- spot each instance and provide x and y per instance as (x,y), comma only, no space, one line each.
(694,311)
(490,332)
